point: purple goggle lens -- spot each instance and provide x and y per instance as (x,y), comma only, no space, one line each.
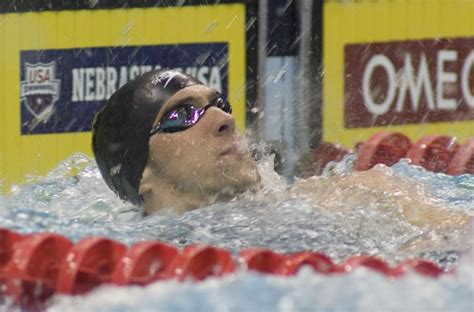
(185,116)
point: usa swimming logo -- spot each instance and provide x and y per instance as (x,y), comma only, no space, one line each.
(40,90)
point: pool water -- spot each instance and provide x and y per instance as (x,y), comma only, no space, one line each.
(74,201)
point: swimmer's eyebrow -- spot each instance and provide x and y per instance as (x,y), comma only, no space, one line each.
(193,99)
(190,99)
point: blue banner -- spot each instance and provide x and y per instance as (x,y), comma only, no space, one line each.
(62,90)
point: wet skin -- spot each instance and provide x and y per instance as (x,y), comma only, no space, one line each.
(389,194)
(200,165)
(208,162)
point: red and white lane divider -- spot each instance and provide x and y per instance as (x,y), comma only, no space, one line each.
(34,267)
(437,153)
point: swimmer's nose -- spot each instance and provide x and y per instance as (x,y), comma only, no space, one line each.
(224,124)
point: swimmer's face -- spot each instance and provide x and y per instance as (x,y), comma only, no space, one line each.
(209,157)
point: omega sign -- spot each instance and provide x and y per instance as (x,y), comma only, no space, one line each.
(409,82)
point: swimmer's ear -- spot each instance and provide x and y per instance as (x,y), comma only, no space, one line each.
(145,182)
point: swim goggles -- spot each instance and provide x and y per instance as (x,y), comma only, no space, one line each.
(187,115)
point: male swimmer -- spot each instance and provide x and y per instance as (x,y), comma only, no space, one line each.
(164,140)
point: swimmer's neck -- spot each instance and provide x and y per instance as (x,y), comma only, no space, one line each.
(159,193)
(165,196)
(162,195)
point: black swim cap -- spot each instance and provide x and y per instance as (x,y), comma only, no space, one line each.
(121,129)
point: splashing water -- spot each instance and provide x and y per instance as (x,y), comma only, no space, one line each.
(340,218)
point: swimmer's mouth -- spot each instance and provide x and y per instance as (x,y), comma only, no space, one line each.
(236,149)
